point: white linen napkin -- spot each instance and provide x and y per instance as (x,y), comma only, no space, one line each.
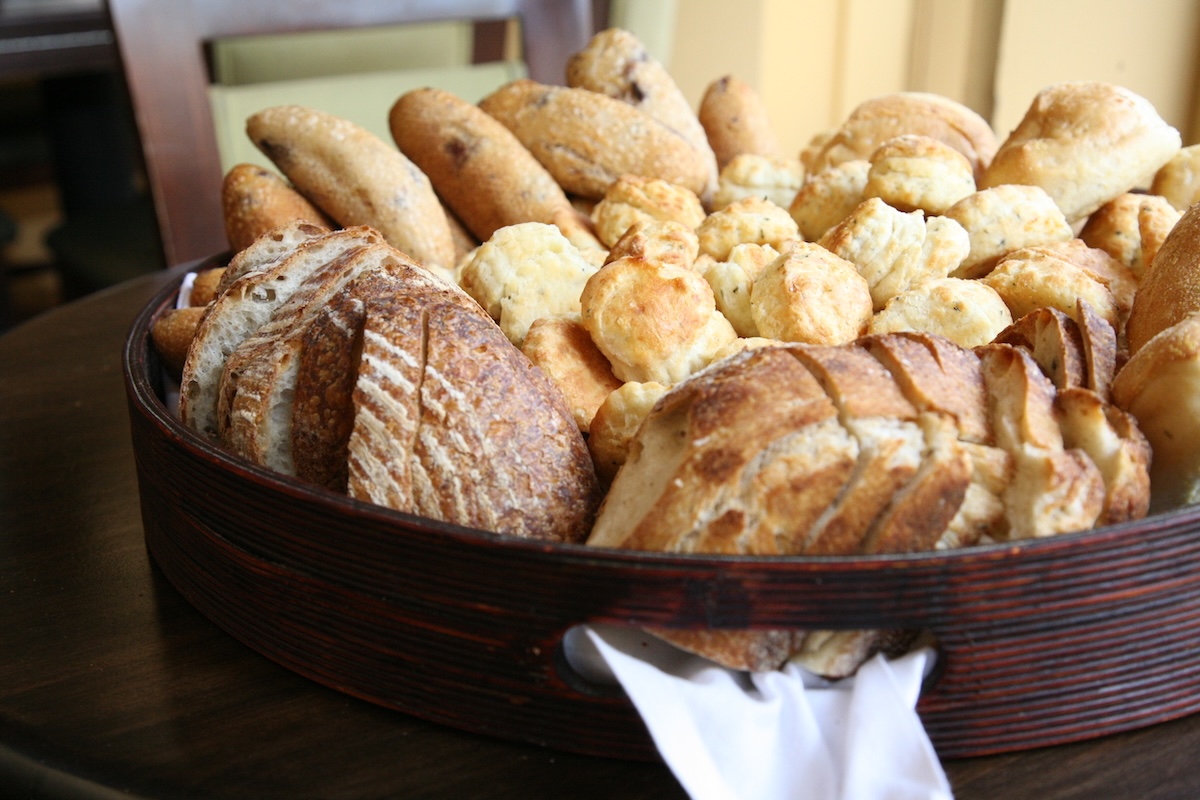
(784,734)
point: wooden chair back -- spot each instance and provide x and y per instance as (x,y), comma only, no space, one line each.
(162,46)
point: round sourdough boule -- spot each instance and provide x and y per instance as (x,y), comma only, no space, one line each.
(357,179)
(587,140)
(1084,142)
(1170,290)
(476,165)
(255,200)
(1160,387)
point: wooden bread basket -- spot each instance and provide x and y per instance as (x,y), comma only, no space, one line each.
(1040,642)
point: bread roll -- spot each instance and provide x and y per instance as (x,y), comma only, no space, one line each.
(912,172)
(587,140)
(356,178)
(736,122)
(564,350)
(1170,291)
(255,200)
(1084,142)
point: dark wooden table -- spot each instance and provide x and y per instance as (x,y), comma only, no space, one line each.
(111,685)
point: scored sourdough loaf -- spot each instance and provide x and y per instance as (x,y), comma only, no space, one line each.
(378,379)
(279,264)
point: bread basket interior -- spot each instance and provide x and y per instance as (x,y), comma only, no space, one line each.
(1039,642)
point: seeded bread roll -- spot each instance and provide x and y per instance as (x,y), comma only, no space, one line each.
(735,120)
(587,140)
(615,63)
(255,200)
(476,165)
(357,179)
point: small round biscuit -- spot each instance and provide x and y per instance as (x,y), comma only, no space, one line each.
(664,242)
(524,272)
(894,250)
(811,295)
(968,313)
(653,321)
(750,220)
(1003,219)
(632,198)
(827,198)
(731,281)
(914,172)
(564,350)
(878,119)
(1084,142)
(1030,279)
(616,422)
(735,119)
(1179,179)
(752,175)
(1119,279)
(1131,228)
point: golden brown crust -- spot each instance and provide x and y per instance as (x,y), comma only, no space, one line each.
(205,286)
(255,200)
(1131,228)
(476,165)
(913,172)
(564,350)
(1170,291)
(587,140)
(616,64)
(172,334)
(735,120)
(357,179)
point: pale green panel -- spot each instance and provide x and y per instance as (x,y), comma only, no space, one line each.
(365,99)
(255,59)
(652,21)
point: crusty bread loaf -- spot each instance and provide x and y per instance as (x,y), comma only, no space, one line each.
(245,306)
(356,178)
(587,140)
(255,200)
(1170,290)
(268,249)
(476,165)
(452,422)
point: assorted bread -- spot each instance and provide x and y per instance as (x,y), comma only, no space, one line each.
(588,313)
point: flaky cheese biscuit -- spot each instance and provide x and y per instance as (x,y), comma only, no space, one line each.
(1179,179)
(810,295)
(254,200)
(654,321)
(1003,219)
(616,421)
(751,175)
(879,119)
(587,140)
(564,350)
(616,63)
(662,242)
(633,198)
(1084,142)
(968,313)
(732,280)
(752,220)
(1030,279)
(524,272)
(357,179)
(914,172)
(1131,228)
(828,197)
(893,250)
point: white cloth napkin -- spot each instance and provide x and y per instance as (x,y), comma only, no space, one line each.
(762,736)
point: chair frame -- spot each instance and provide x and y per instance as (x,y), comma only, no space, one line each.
(162,46)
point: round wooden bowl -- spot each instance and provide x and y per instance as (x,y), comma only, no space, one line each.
(1039,642)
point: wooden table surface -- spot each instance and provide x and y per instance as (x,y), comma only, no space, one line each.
(111,685)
